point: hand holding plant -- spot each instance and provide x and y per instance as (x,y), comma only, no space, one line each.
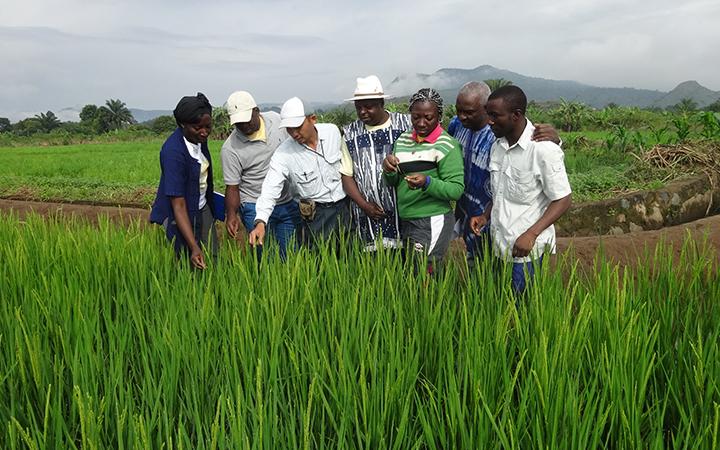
(416,181)
(390,164)
(257,235)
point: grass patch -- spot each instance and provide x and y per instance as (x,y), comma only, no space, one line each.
(121,171)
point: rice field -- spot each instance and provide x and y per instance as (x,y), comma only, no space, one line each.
(106,343)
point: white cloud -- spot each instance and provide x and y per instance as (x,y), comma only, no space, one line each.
(149,54)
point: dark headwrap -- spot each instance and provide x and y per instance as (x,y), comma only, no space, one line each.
(428,95)
(191,109)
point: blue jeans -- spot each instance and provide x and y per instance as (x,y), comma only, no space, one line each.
(285,225)
(520,283)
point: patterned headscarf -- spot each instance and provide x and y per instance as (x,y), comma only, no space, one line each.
(428,95)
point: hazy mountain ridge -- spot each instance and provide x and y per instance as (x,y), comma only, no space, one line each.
(449,81)
(689,89)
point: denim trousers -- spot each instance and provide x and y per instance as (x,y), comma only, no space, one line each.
(285,225)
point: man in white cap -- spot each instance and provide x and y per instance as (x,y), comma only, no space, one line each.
(308,163)
(369,140)
(245,159)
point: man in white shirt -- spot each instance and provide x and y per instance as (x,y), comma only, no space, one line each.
(530,188)
(309,163)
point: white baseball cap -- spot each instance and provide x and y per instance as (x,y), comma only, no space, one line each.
(240,106)
(294,112)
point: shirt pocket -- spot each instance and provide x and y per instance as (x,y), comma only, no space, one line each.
(522,185)
(307,184)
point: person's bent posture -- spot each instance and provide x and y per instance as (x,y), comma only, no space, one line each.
(308,162)
(246,158)
(184,204)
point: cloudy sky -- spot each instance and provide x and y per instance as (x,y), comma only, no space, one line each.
(57,54)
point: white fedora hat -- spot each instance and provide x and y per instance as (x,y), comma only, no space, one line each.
(368,88)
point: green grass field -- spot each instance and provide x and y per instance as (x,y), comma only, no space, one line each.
(128,172)
(105,343)
(122,172)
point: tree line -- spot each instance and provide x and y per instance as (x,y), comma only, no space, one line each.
(565,115)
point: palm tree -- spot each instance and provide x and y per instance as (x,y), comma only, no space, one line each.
(48,121)
(495,83)
(686,105)
(119,113)
(570,114)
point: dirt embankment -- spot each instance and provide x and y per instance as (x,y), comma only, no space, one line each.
(625,249)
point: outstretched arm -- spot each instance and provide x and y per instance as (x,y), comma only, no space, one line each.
(232,203)
(183,222)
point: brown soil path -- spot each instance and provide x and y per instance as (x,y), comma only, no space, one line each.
(623,250)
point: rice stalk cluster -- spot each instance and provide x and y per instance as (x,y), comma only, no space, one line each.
(107,343)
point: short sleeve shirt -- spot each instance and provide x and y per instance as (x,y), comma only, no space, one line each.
(245,161)
(525,179)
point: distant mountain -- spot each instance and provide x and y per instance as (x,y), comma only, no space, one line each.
(449,81)
(141,115)
(689,89)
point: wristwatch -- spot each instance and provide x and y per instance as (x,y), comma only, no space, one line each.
(257,221)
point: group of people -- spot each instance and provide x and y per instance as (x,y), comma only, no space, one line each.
(389,178)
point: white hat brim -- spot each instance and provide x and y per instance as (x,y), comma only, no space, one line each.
(292,122)
(367,97)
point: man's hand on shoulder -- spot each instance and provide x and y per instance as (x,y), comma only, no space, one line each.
(545,132)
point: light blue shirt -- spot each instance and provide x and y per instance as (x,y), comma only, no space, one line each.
(310,174)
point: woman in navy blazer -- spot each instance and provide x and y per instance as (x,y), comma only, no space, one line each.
(184,204)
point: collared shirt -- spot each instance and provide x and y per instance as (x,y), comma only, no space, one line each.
(309,174)
(440,159)
(259,135)
(476,155)
(180,177)
(368,146)
(431,138)
(525,179)
(196,153)
(245,160)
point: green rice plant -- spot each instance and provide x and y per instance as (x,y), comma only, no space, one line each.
(108,341)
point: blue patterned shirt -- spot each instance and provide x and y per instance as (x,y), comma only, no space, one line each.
(476,154)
